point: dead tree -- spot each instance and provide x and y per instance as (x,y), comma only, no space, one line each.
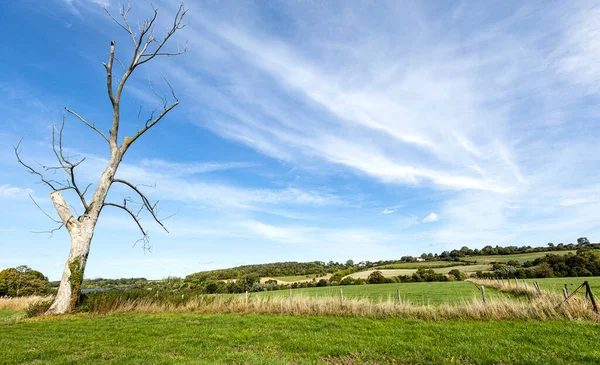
(146,46)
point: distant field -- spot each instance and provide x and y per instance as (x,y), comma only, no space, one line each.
(416,293)
(272,339)
(443,267)
(419,265)
(291,279)
(441,270)
(522,257)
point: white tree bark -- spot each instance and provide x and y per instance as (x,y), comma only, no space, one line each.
(81,232)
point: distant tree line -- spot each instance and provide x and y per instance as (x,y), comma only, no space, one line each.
(456,255)
(586,262)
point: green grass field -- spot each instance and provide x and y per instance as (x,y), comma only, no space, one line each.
(419,265)
(416,293)
(255,339)
(8,315)
(522,257)
(556,284)
(290,279)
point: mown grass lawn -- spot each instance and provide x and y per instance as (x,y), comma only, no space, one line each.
(256,339)
(415,293)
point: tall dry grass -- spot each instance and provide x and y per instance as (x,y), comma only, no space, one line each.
(542,306)
(21,303)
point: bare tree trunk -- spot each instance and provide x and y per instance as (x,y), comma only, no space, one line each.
(69,291)
(81,232)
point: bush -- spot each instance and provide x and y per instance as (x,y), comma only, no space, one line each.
(38,308)
(457,274)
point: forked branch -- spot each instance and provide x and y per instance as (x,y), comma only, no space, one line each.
(151,208)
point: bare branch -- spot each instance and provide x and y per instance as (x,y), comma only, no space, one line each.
(123,13)
(68,166)
(146,203)
(88,124)
(135,217)
(177,24)
(50,232)
(46,214)
(109,78)
(63,210)
(29,168)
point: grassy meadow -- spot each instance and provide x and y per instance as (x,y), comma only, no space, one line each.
(268,339)
(557,284)
(521,257)
(436,323)
(433,293)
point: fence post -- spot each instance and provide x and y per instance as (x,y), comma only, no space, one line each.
(246,297)
(566,289)
(398,293)
(525,284)
(565,294)
(290,293)
(516,281)
(483,294)
(341,296)
(588,292)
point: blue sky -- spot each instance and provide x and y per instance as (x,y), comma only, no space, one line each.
(323,130)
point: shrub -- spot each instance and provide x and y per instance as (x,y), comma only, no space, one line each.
(376,277)
(457,274)
(38,308)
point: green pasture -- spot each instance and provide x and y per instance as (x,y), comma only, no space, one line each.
(433,293)
(261,339)
(521,257)
(421,265)
(557,284)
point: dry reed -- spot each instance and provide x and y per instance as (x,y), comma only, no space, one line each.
(21,303)
(542,306)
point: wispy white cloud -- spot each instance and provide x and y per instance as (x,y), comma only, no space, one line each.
(388,211)
(185,169)
(11,192)
(431,217)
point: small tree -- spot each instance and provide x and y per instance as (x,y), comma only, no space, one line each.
(376,277)
(146,46)
(583,241)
